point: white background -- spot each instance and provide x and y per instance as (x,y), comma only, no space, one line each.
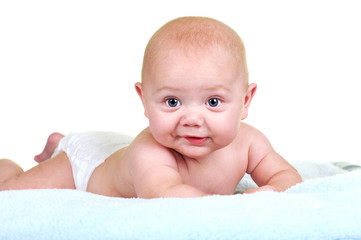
(71,66)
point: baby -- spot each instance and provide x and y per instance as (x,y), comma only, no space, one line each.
(195,93)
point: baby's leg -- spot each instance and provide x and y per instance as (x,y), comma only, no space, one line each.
(55,172)
(8,169)
(51,144)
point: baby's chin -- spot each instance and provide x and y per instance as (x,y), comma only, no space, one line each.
(194,152)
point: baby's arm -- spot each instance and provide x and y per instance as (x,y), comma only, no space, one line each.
(155,174)
(269,169)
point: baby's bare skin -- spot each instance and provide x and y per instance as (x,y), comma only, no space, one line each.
(220,174)
(195,93)
(51,144)
(114,176)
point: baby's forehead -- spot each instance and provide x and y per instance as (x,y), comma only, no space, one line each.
(194,33)
(194,36)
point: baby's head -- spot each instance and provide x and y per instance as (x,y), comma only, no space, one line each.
(194,86)
(194,36)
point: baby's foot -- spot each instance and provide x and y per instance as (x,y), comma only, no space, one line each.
(51,144)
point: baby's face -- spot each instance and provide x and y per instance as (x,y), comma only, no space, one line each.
(194,103)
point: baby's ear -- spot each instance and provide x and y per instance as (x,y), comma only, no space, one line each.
(251,91)
(138,88)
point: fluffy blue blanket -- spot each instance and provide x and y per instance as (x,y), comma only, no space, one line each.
(322,208)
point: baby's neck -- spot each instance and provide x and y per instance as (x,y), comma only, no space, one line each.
(181,158)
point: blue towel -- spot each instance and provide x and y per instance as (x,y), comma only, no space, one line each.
(322,208)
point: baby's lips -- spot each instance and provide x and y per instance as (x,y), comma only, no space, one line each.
(196,140)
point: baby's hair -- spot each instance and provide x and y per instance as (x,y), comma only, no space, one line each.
(192,34)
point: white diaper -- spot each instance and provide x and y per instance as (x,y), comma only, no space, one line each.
(88,150)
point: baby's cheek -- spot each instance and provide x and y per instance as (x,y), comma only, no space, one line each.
(228,127)
(225,134)
(161,129)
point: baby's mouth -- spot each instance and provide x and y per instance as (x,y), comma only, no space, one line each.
(196,140)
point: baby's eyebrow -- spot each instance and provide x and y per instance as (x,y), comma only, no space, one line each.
(218,87)
(168,88)
(214,88)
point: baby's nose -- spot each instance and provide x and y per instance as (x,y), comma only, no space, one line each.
(192,118)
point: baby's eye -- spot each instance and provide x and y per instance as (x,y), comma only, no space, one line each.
(172,102)
(213,102)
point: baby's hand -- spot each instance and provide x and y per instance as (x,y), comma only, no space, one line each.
(263,188)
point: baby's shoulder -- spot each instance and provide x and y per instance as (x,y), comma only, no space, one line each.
(145,139)
(255,138)
(145,146)
(250,132)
